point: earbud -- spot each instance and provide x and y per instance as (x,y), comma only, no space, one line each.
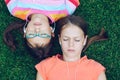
(52,29)
(24,30)
(59,42)
(85,41)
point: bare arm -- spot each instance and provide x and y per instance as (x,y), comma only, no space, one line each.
(39,77)
(102,76)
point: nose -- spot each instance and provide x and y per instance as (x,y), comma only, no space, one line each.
(37,26)
(71,43)
(37,29)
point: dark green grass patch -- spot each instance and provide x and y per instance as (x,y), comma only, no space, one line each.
(19,65)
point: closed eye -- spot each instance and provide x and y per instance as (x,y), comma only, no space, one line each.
(43,34)
(77,40)
(65,39)
(30,34)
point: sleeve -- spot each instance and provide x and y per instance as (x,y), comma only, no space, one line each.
(97,69)
(6,1)
(75,2)
(41,69)
(44,67)
(71,6)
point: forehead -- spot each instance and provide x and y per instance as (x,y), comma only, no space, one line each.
(37,41)
(71,30)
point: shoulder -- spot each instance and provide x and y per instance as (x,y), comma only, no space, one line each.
(92,63)
(47,62)
(94,67)
(46,65)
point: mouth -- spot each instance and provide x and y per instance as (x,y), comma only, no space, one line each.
(71,50)
(37,23)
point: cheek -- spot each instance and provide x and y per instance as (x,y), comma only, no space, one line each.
(29,23)
(64,45)
(79,46)
(64,48)
(29,26)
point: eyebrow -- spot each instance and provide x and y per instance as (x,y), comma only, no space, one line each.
(69,37)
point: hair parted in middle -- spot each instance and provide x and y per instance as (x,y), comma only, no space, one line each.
(81,23)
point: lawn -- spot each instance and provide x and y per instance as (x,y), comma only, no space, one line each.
(19,64)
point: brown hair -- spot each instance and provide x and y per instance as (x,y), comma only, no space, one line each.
(38,52)
(78,21)
(7,35)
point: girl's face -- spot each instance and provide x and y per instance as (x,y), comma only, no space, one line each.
(72,40)
(38,31)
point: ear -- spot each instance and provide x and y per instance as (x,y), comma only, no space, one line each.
(52,30)
(53,35)
(85,40)
(59,39)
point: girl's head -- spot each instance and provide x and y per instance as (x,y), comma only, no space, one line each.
(38,31)
(38,35)
(72,35)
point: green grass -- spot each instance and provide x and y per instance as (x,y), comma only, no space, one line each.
(19,65)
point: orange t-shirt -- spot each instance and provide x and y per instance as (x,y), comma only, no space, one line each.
(55,69)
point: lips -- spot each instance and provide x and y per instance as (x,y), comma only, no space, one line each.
(37,23)
(71,50)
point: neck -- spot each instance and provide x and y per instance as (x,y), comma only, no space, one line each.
(41,16)
(71,59)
